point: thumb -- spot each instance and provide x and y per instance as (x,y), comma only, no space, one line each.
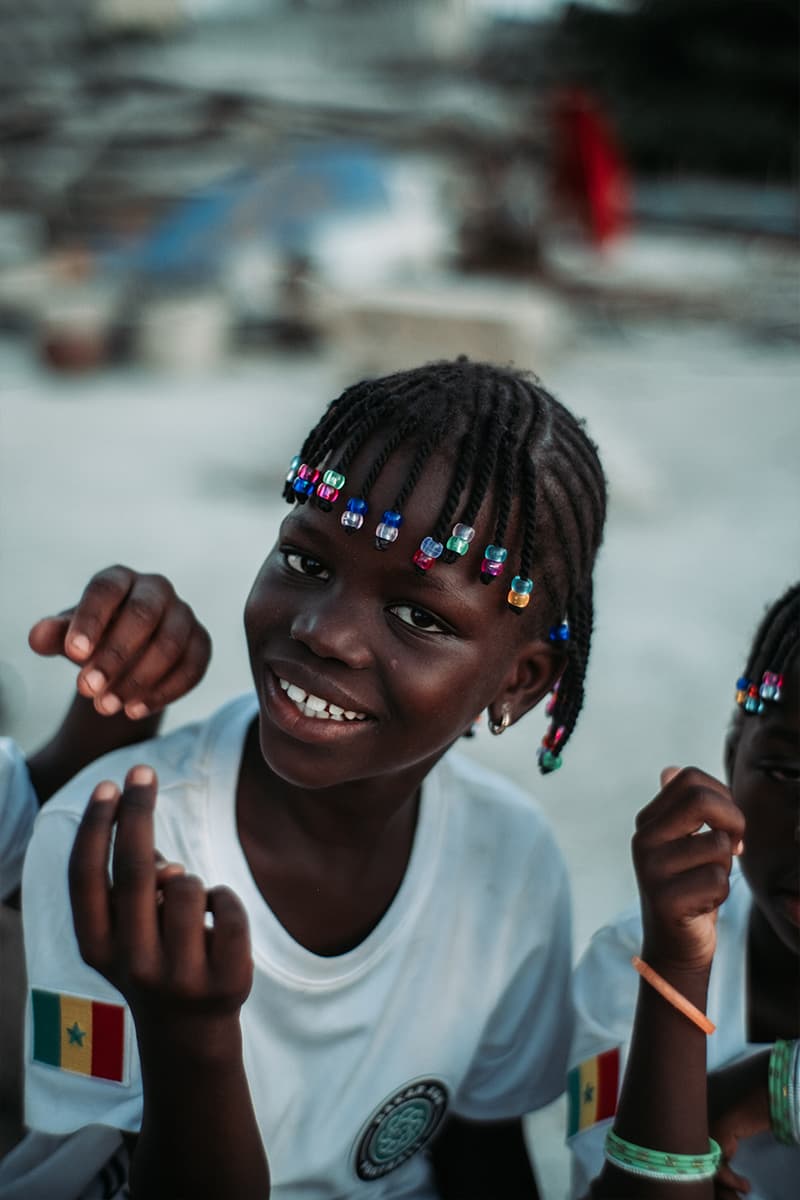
(668,773)
(47,636)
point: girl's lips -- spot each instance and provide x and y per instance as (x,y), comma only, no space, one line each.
(285,714)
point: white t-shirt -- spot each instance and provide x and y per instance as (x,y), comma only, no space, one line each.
(18,808)
(458,1000)
(605,990)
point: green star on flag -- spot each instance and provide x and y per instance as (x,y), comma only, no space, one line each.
(75,1034)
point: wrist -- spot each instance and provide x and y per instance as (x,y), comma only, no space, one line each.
(207,1042)
(679,971)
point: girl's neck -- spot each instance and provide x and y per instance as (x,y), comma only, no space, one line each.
(350,817)
(773,983)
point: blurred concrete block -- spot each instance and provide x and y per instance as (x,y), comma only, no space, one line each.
(394,328)
(184,333)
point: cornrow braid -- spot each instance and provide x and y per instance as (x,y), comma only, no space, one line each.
(505,447)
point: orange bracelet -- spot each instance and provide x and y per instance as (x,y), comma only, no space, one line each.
(673,996)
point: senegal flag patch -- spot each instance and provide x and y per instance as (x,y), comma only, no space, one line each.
(592,1090)
(76,1034)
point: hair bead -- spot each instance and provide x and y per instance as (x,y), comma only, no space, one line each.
(458,543)
(494,558)
(291,475)
(388,529)
(353,516)
(328,490)
(424,558)
(305,483)
(560,633)
(519,594)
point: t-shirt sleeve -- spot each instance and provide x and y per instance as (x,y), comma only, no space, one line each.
(18,808)
(81,1064)
(604,987)
(521,1060)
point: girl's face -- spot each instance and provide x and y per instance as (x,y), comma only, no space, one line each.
(766,785)
(401,663)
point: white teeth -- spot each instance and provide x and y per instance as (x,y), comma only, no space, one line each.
(314,706)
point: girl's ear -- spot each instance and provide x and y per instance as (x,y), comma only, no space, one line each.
(533,674)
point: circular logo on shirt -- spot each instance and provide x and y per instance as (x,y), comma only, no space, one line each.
(400,1127)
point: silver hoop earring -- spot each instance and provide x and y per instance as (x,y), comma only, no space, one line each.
(498,727)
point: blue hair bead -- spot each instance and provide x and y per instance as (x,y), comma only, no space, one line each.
(353,516)
(431,547)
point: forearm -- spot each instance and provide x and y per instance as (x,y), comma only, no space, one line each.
(83,736)
(663,1103)
(199,1138)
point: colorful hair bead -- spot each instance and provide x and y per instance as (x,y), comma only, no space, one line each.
(548,761)
(328,490)
(494,558)
(388,529)
(353,516)
(552,700)
(429,550)
(305,483)
(519,593)
(547,755)
(560,633)
(771,684)
(458,543)
(752,696)
(291,475)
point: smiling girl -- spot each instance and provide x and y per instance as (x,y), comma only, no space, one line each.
(402,996)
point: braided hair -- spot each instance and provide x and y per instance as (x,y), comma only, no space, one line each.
(510,442)
(776,640)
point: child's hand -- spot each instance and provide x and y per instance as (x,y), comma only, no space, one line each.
(146,932)
(140,647)
(683,873)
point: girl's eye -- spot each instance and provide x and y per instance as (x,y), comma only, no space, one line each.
(305,564)
(783,772)
(417,618)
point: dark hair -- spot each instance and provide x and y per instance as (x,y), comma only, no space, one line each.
(508,437)
(776,639)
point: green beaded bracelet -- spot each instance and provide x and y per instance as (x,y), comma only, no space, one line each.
(658,1164)
(783,1098)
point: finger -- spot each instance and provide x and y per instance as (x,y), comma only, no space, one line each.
(229,954)
(102,596)
(134,873)
(185,674)
(88,876)
(164,649)
(690,800)
(47,637)
(124,638)
(667,774)
(666,859)
(695,893)
(183,932)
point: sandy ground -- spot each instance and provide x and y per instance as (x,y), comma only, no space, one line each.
(699,428)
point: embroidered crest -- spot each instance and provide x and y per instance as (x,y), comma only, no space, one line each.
(77,1034)
(402,1125)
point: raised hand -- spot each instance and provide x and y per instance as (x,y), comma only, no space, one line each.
(185,978)
(683,868)
(145,930)
(139,646)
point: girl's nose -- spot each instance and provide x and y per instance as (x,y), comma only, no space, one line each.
(333,630)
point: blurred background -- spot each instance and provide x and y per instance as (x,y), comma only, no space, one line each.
(215,214)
